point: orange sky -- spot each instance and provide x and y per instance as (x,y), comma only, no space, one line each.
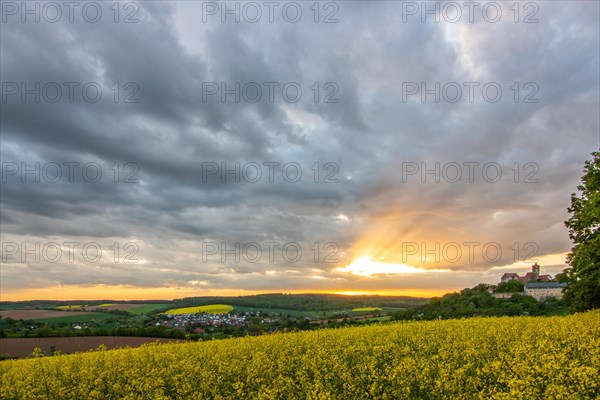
(130,293)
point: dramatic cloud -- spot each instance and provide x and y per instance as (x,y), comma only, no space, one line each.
(372,146)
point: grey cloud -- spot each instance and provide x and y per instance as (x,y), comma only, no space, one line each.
(369,133)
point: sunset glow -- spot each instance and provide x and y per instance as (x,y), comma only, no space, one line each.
(365,266)
(129,293)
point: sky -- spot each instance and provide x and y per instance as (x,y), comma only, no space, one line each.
(171,149)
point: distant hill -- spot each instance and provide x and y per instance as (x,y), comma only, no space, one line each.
(298,302)
(307,302)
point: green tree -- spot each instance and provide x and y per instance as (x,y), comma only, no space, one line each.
(583,276)
(512,286)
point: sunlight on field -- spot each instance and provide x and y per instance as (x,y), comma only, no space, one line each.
(69,307)
(365,309)
(209,309)
(478,358)
(106,305)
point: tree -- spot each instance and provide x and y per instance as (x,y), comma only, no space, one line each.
(512,286)
(583,276)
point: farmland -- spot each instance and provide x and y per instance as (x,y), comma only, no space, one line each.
(147,308)
(208,309)
(539,357)
(79,313)
(89,319)
(79,317)
(39,314)
(23,347)
(134,308)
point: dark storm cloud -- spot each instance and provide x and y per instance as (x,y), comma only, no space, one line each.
(369,135)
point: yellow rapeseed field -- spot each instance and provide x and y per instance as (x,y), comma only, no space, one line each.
(209,309)
(479,358)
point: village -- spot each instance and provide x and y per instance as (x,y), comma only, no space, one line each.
(201,321)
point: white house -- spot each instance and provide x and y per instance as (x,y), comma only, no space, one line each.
(542,290)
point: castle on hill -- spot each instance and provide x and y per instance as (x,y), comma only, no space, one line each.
(537,286)
(534,275)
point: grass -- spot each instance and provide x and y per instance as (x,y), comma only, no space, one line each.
(393,309)
(380,319)
(209,309)
(147,308)
(560,311)
(78,318)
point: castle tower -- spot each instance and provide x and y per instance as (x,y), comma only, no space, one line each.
(535,271)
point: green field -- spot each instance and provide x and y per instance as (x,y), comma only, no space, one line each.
(366,309)
(147,308)
(392,309)
(283,312)
(209,309)
(78,318)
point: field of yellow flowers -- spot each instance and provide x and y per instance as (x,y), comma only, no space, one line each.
(479,358)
